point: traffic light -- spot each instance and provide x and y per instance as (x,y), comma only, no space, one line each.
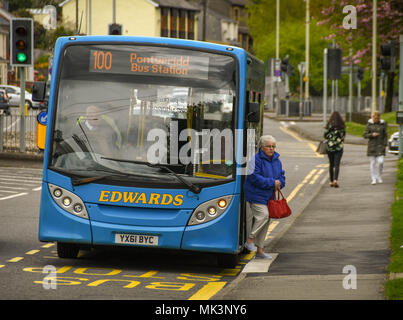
(290,70)
(388,59)
(360,74)
(284,64)
(21,42)
(334,63)
(286,67)
(115,29)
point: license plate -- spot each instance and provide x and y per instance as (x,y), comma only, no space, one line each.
(141,239)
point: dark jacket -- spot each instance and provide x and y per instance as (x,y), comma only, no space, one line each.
(335,138)
(261,179)
(376,145)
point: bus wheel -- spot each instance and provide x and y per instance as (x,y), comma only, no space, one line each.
(227,260)
(67,250)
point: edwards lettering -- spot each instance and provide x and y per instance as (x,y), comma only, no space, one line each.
(142,198)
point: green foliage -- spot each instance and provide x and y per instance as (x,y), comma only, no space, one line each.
(262,26)
(394,288)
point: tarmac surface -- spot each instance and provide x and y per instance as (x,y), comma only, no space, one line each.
(338,247)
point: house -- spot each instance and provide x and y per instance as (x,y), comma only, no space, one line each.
(166,18)
(219,21)
(5,18)
(225,22)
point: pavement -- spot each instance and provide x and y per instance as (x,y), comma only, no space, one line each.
(337,247)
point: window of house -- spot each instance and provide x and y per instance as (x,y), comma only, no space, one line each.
(237,13)
(182,24)
(174,23)
(191,25)
(177,23)
(164,22)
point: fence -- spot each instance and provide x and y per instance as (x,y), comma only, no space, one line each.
(10,132)
(362,104)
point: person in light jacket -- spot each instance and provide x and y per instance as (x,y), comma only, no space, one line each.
(265,175)
(376,133)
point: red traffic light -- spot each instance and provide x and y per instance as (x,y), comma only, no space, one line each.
(21,31)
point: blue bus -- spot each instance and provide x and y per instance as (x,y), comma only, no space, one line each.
(147,143)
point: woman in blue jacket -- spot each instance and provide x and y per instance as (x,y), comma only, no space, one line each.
(265,175)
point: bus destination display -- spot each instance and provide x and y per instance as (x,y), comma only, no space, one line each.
(150,64)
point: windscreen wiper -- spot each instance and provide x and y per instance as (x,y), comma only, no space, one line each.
(194,188)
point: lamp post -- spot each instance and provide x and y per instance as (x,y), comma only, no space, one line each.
(374,9)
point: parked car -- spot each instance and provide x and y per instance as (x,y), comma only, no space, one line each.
(4,105)
(393,143)
(14,94)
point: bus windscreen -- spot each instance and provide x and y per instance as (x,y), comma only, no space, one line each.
(120,108)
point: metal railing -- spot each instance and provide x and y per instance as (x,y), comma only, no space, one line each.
(10,125)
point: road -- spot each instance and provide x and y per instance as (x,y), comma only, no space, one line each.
(30,269)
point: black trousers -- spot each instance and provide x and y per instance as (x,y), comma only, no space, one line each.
(334,164)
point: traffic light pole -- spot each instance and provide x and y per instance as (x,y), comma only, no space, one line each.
(401,96)
(324,86)
(22,109)
(350,87)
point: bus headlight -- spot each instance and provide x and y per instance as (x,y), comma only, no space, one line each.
(209,210)
(68,201)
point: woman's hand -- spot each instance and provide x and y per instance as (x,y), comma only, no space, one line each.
(278,185)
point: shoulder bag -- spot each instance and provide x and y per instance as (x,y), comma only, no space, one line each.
(278,208)
(322,147)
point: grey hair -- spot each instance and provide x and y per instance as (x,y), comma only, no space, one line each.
(264,139)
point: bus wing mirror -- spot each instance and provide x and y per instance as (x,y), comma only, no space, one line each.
(39,91)
(253,112)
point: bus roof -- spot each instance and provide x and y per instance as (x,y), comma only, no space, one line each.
(152,40)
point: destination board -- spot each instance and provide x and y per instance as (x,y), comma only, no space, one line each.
(149,63)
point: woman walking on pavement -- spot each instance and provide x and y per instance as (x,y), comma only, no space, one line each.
(376,132)
(335,131)
(265,175)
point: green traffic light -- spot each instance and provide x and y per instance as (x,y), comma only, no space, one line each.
(21,57)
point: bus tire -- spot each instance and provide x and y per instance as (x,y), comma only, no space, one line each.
(227,260)
(67,250)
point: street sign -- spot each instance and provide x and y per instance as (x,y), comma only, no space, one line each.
(301,67)
(43,117)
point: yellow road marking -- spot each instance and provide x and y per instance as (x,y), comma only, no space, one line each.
(292,134)
(298,187)
(16,259)
(230,272)
(272,225)
(208,290)
(295,136)
(2,265)
(248,256)
(316,176)
(310,174)
(32,252)
(48,245)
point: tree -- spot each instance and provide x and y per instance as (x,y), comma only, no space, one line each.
(389,24)
(389,27)
(262,27)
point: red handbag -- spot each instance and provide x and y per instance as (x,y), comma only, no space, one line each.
(278,208)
